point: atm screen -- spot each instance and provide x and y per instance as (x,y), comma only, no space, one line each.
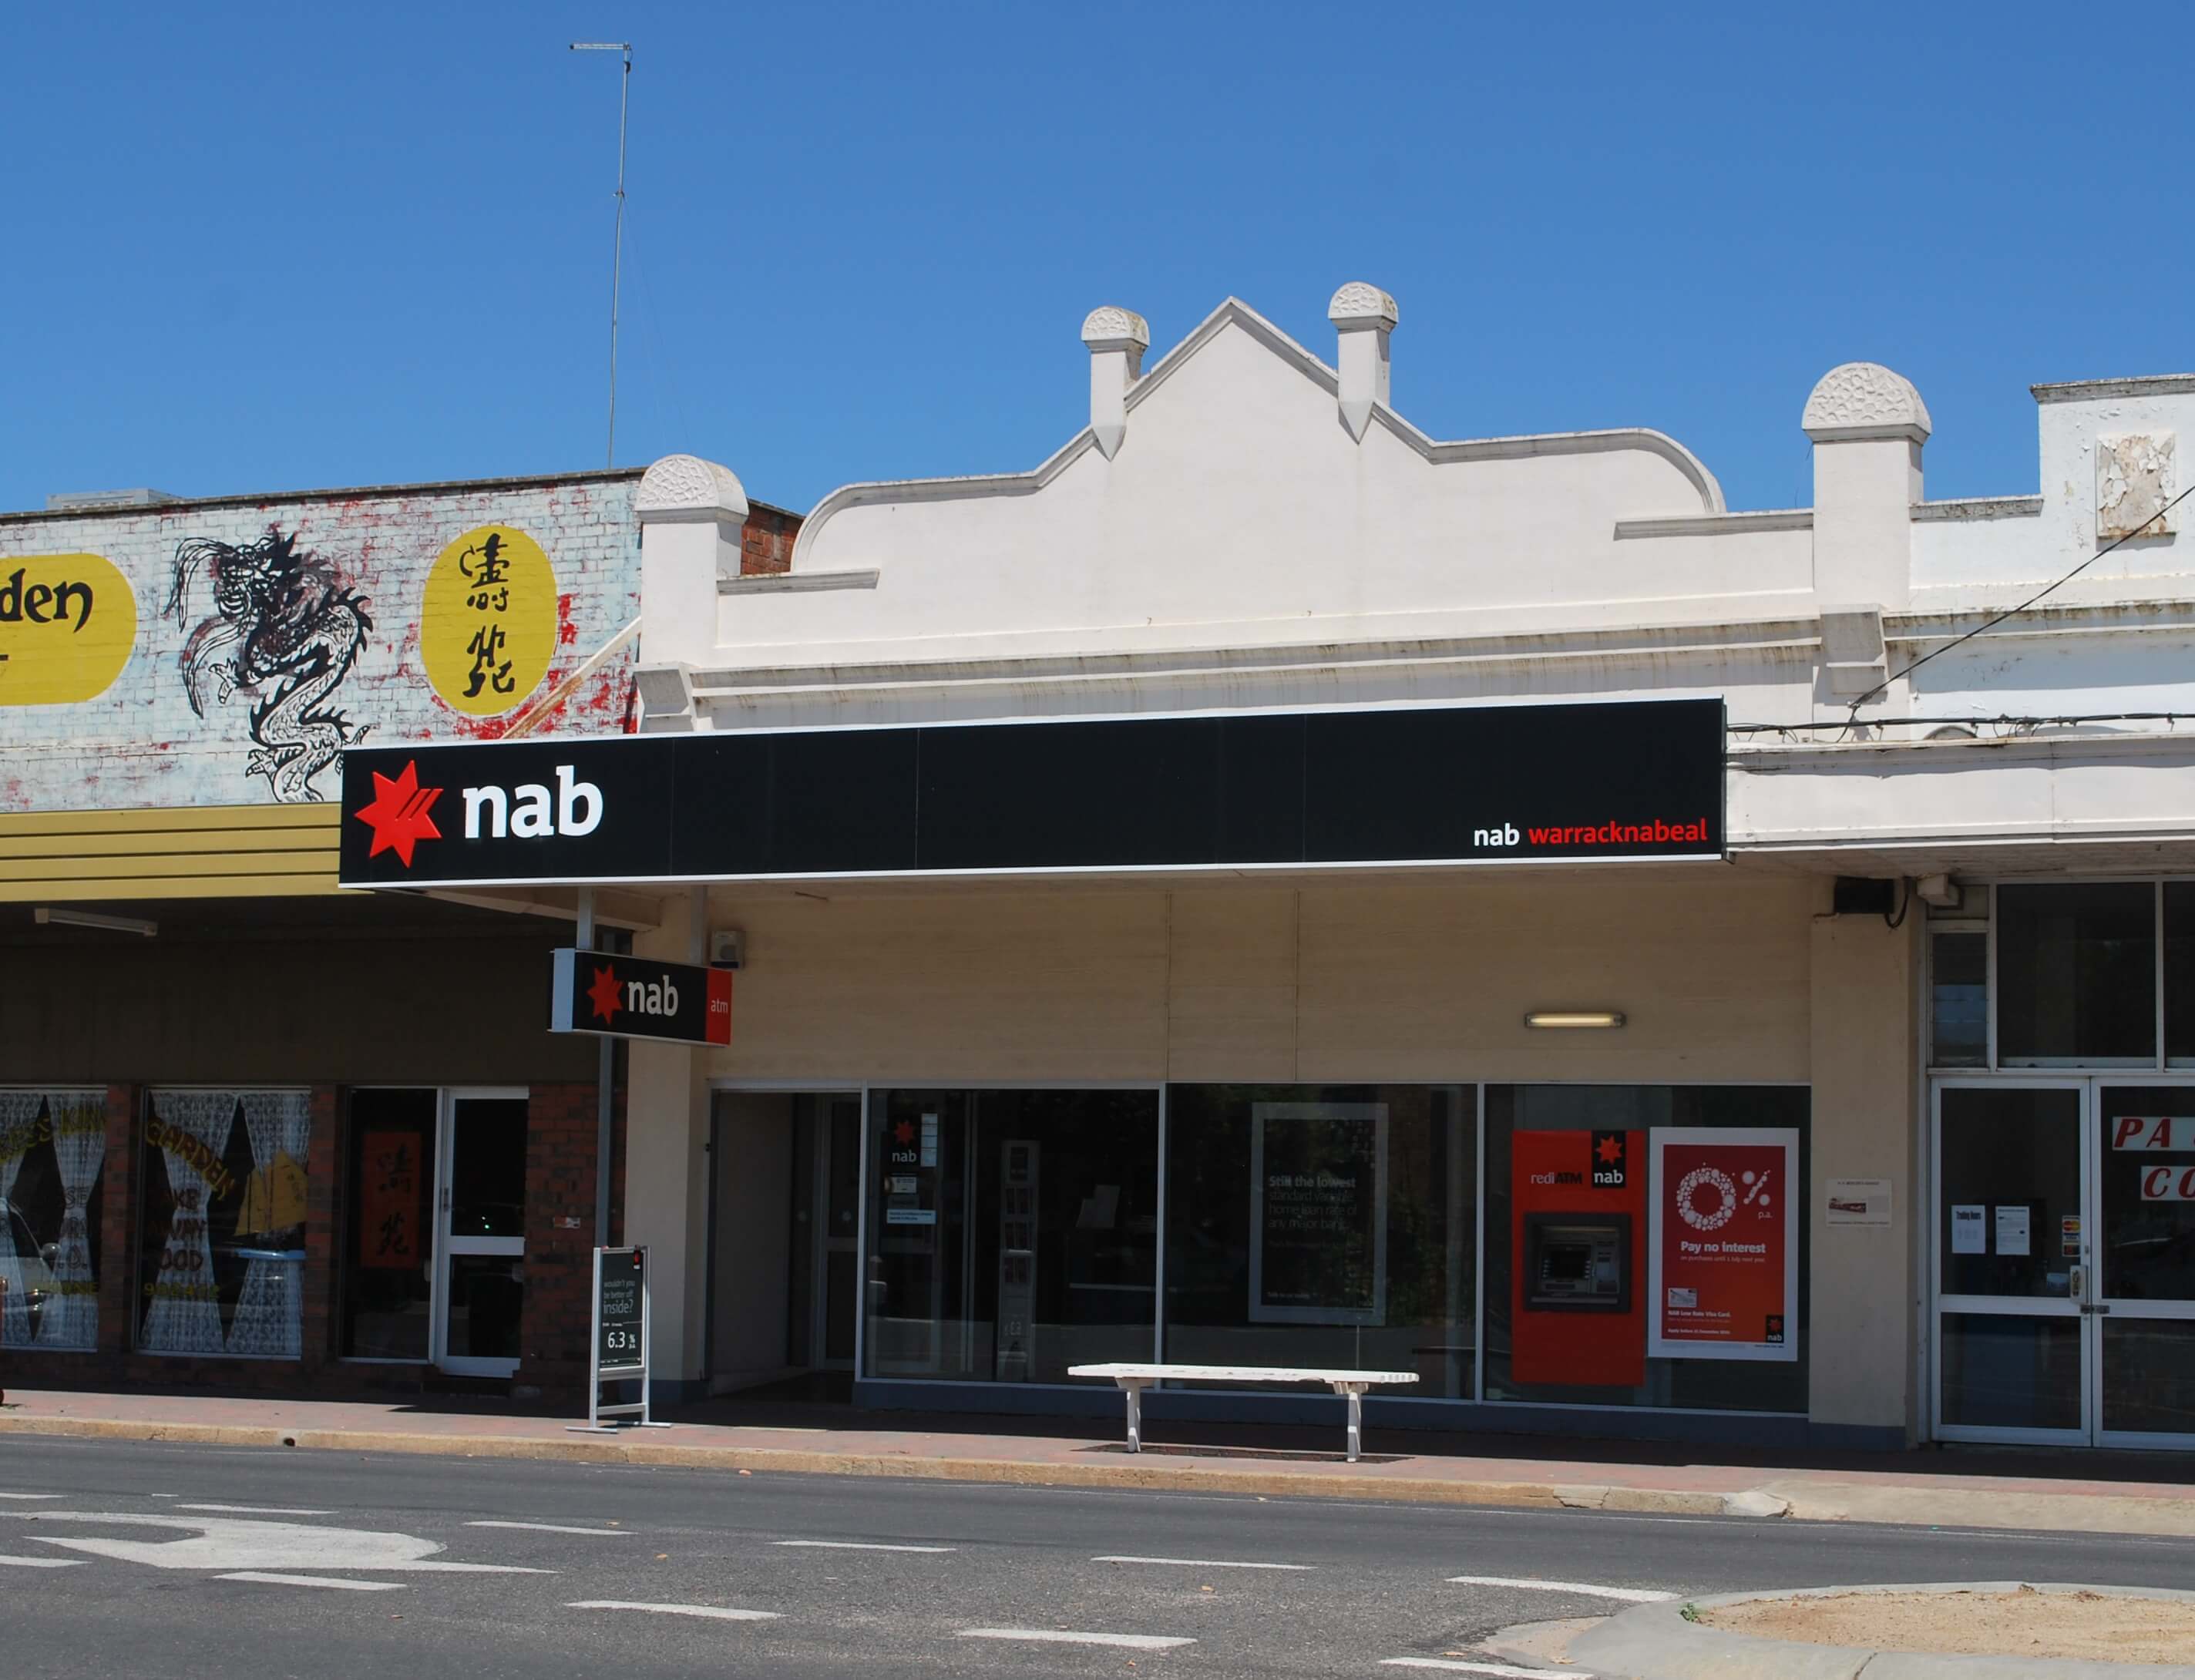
(1577,1264)
(1566,1262)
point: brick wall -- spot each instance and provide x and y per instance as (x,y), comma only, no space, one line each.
(141,743)
(560,1217)
(766,543)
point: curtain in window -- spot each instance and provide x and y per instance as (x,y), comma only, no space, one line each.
(185,1317)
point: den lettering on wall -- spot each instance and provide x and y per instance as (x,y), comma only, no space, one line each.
(227,652)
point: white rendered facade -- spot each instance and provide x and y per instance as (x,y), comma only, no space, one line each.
(1245,527)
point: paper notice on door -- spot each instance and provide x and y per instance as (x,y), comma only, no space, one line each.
(1969,1235)
(2012,1234)
(930,1140)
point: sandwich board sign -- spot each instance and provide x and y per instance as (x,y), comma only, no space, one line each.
(618,1339)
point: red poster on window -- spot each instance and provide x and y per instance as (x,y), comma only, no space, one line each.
(391,1199)
(1723,1259)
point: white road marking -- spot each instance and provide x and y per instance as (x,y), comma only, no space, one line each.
(41,1562)
(1201,1563)
(1060,1635)
(1501,1669)
(217,1543)
(714,1612)
(1628,1594)
(260,1510)
(857,1545)
(271,1578)
(550,1529)
(29,1496)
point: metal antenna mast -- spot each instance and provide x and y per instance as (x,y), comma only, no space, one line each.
(617,249)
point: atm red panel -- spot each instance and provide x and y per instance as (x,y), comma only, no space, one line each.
(1578,1257)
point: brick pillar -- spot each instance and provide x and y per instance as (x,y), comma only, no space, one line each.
(560,1216)
(118,1226)
(317,1341)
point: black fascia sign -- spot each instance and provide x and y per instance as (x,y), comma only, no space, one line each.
(614,997)
(1597,781)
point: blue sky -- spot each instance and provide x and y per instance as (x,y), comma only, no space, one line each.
(259,248)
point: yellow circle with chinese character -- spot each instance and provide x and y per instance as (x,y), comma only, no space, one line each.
(487,627)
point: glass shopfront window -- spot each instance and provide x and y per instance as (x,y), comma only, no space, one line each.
(53,1151)
(221,1223)
(1324,1226)
(1958,998)
(1010,1234)
(1574,1241)
(2077,973)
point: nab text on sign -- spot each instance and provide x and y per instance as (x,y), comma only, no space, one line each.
(616,997)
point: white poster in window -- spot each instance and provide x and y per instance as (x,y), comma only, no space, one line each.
(2011,1232)
(1318,1213)
(1969,1235)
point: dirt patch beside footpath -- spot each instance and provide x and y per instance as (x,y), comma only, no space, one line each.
(2021,1623)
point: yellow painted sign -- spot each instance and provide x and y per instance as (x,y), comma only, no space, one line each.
(67,623)
(487,629)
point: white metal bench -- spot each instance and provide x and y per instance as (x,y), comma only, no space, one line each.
(1135,1378)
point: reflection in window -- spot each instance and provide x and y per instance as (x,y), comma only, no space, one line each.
(2179,970)
(221,1223)
(2146,1247)
(1323,1226)
(2149,1375)
(1958,988)
(1011,1233)
(388,1246)
(2076,972)
(2008,1181)
(53,1146)
(2008,1372)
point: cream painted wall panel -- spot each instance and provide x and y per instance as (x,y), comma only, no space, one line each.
(1231,991)
(666,1187)
(1417,983)
(1866,1011)
(1013,986)
(1236,498)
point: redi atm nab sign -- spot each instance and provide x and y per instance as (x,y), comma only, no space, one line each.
(1402,785)
(616,997)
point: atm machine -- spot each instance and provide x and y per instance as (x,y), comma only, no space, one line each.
(1578,1258)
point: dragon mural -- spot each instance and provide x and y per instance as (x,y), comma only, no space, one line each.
(285,630)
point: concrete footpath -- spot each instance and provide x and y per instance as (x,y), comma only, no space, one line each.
(2062,1493)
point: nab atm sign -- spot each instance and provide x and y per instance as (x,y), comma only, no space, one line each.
(615,997)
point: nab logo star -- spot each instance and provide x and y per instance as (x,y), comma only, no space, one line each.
(1608,1173)
(603,994)
(399,815)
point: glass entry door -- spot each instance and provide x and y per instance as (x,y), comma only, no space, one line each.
(2010,1173)
(835,1291)
(2065,1262)
(482,1215)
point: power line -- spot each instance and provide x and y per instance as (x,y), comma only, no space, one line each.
(1852,714)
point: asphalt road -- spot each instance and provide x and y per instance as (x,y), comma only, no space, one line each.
(120,1559)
